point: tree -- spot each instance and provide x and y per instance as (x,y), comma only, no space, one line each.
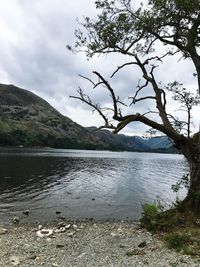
(135,33)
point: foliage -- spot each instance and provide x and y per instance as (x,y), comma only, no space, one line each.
(150,212)
(176,241)
(184,182)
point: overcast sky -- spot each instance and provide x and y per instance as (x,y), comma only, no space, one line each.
(33,38)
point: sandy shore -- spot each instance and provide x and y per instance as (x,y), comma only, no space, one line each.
(86,244)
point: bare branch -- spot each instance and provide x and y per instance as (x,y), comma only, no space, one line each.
(122,66)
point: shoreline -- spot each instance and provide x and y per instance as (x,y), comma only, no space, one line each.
(78,243)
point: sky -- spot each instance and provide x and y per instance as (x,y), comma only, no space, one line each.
(33,38)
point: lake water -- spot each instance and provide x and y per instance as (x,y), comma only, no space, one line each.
(84,184)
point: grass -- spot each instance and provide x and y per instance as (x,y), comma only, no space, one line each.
(180,229)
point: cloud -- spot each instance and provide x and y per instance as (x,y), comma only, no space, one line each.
(33,55)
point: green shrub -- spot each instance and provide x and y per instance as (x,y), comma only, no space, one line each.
(176,241)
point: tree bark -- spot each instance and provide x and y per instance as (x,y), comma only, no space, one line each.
(192,200)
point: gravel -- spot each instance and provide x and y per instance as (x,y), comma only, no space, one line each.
(86,244)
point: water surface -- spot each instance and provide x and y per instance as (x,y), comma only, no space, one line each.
(84,184)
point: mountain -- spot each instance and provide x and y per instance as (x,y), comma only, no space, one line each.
(120,141)
(134,143)
(28,120)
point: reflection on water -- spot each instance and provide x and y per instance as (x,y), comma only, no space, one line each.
(80,184)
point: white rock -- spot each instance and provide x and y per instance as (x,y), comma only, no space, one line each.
(71,234)
(39,227)
(75,226)
(67,226)
(44,232)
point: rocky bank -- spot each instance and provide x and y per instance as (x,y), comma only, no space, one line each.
(86,244)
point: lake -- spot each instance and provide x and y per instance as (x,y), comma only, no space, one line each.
(81,184)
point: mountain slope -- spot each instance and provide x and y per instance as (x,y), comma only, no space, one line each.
(28,120)
(134,143)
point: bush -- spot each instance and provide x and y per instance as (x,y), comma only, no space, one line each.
(177,241)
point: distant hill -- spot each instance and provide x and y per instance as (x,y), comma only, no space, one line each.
(134,143)
(28,120)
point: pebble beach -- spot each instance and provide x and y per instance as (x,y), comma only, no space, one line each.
(86,244)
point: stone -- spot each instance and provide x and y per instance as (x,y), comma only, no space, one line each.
(61,217)
(70,234)
(15,260)
(60,245)
(61,224)
(15,219)
(39,227)
(26,212)
(3,231)
(44,233)
(33,257)
(142,244)
(58,212)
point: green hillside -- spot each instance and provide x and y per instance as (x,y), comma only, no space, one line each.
(28,120)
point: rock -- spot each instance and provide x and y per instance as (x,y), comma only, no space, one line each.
(70,234)
(39,227)
(33,257)
(15,260)
(75,226)
(15,219)
(61,224)
(61,217)
(55,265)
(26,212)
(44,233)
(60,245)
(3,231)
(58,212)
(142,244)
(67,226)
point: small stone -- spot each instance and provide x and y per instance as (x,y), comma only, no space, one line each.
(142,244)
(61,224)
(15,260)
(67,226)
(15,219)
(33,257)
(115,234)
(58,212)
(26,212)
(75,226)
(61,217)
(70,234)
(3,231)
(60,245)
(39,227)
(55,265)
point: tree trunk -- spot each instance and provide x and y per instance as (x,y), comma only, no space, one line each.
(192,200)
